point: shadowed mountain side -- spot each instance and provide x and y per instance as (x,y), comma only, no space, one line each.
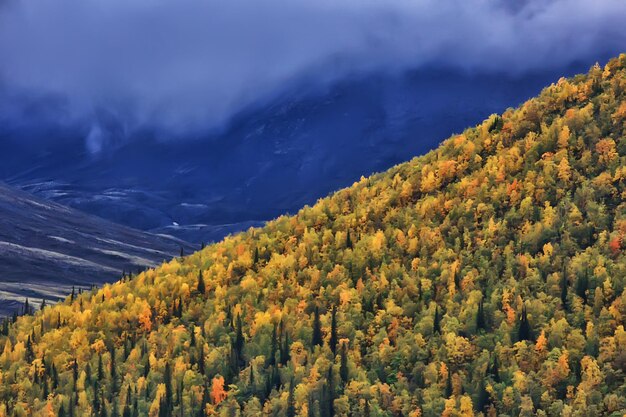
(46,248)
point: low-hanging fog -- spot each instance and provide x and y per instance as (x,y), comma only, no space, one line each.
(182,67)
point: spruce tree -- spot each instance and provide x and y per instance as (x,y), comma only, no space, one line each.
(167,380)
(103,408)
(136,405)
(146,366)
(333,331)
(201,359)
(284,351)
(239,341)
(436,322)
(74,374)
(30,355)
(205,400)
(524,332)
(178,308)
(126,412)
(126,350)
(343,369)
(480,317)
(46,389)
(482,399)
(181,402)
(192,336)
(96,398)
(324,407)
(100,368)
(179,394)
(201,286)
(457,278)
(330,380)
(276,382)
(291,405)
(271,360)
(114,408)
(113,371)
(495,370)
(164,409)
(233,365)
(317,329)
(564,288)
(268,384)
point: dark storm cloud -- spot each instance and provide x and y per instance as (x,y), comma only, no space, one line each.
(188,65)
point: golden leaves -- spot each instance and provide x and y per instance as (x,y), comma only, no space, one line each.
(145,317)
(606,150)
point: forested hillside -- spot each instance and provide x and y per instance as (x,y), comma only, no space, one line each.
(487,277)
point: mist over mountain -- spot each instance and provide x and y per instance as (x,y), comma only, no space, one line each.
(182,69)
(268,161)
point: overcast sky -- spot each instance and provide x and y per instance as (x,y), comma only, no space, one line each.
(190,64)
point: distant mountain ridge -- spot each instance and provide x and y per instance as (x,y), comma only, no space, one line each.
(46,248)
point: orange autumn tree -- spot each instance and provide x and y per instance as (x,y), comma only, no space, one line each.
(218,393)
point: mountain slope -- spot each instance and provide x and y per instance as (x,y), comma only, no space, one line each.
(487,276)
(45,249)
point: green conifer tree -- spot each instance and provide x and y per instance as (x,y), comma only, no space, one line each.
(524,331)
(437,322)
(291,403)
(317,329)
(201,286)
(343,369)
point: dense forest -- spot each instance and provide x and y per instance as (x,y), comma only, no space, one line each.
(485,278)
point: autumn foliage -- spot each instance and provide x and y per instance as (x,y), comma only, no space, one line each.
(218,394)
(486,278)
